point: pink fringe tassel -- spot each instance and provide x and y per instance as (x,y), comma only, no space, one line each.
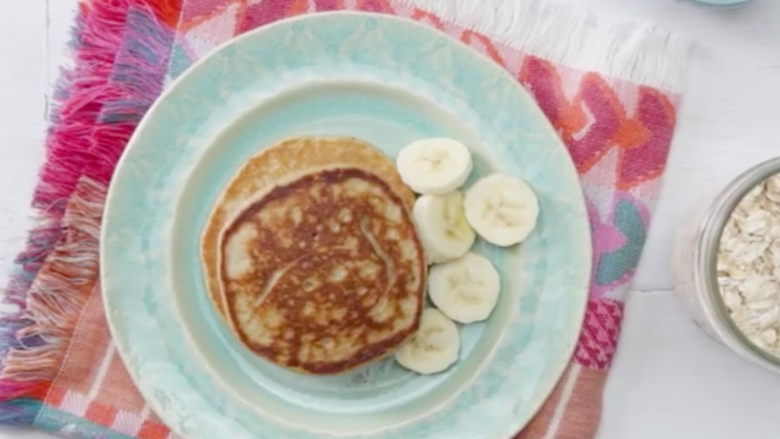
(70,140)
(120,64)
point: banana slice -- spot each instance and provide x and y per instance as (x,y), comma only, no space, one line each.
(466,289)
(441,223)
(434,166)
(434,347)
(502,209)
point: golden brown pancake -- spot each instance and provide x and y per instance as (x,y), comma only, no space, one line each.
(281,163)
(325,273)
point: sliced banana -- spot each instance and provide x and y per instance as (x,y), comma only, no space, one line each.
(466,289)
(502,209)
(441,224)
(434,347)
(434,166)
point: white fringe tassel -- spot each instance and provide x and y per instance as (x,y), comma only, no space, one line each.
(632,50)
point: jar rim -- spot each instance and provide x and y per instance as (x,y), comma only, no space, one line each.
(721,4)
(707,255)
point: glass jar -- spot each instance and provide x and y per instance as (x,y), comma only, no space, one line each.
(695,259)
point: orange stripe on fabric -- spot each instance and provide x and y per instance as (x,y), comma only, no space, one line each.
(299,7)
(478,40)
(427,18)
(167,11)
(101,414)
(382,6)
(153,430)
(583,412)
(55,396)
(87,348)
(118,389)
(538,426)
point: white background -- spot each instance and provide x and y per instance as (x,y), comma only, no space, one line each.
(669,380)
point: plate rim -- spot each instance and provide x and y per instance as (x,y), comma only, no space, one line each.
(171,89)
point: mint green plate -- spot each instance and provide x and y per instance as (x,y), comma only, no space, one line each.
(389,81)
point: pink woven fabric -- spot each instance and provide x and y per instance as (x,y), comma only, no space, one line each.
(60,370)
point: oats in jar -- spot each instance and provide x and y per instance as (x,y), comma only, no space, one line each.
(748,265)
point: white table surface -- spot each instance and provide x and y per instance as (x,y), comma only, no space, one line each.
(669,380)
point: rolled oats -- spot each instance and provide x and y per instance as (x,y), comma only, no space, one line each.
(748,265)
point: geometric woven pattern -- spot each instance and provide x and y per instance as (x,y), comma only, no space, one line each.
(600,332)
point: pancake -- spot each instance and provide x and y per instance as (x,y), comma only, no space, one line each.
(281,163)
(324,273)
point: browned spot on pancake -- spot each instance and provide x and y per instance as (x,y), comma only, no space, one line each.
(341,296)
